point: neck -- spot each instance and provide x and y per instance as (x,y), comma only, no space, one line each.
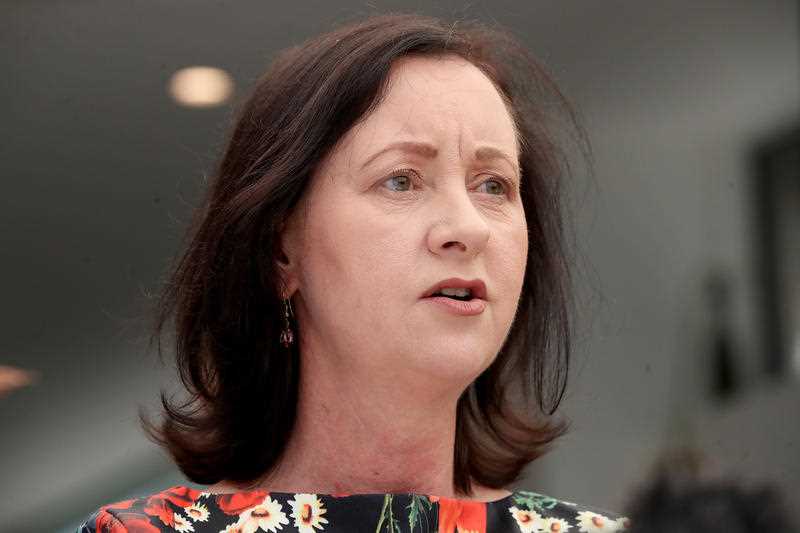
(361,432)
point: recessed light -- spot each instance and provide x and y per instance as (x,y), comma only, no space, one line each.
(12,378)
(200,86)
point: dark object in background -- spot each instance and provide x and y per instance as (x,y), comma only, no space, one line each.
(776,192)
(724,373)
(678,501)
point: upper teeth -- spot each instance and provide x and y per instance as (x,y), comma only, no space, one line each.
(455,292)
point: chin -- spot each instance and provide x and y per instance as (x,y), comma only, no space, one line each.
(458,362)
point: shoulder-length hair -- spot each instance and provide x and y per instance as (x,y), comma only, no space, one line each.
(224,292)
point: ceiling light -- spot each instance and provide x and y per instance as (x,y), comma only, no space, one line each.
(200,86)
(12,378)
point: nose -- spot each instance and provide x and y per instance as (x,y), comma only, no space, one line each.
(460,230)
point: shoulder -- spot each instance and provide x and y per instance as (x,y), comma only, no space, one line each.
(173,509)
(532,510)
(184,509)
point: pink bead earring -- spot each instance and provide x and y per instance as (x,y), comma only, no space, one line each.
(287,336)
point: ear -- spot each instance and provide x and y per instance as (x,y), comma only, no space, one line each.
(287,256)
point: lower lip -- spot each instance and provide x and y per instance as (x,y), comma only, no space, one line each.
(470,307)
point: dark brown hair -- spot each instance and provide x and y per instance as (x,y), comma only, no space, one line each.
(224,292)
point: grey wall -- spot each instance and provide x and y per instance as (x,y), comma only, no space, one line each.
(672,146)
(99,170)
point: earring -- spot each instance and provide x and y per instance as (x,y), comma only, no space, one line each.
(287,336)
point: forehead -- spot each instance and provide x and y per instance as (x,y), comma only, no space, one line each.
(439,99)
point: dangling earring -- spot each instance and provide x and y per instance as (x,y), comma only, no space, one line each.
(287,336)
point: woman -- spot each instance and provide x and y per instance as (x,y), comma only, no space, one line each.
(375,277)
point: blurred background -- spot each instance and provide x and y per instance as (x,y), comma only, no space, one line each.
(689,230)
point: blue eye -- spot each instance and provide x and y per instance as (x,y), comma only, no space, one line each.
(403,180)
(502,190)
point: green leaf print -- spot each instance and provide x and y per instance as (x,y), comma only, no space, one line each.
(416,505)
(534,501)
(386,515)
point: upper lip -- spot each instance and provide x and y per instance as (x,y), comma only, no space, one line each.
(476,286)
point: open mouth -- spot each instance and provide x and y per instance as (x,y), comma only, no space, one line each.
(458,301)
(463,295)
(458,289)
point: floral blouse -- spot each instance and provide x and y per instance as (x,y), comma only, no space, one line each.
(186,509)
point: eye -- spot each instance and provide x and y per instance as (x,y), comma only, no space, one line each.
(505,186)
(501,187)
(403,181)
(404,178)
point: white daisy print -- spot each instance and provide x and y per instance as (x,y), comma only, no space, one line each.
(589,522)
(267,516)
(555,525)
(623,523)
(528,521)
(233,528)
(181,523)
(197,512)
(307,511)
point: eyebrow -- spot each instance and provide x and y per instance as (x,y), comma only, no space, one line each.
(483,153)
(420,148)
(486,153)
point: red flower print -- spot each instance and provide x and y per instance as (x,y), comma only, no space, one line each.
(124,522)
(236,503)
(180,496)
(106,523)
(140,525)
(473,517)
(466,516)
(157,506)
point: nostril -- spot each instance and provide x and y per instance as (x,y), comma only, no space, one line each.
(451,243)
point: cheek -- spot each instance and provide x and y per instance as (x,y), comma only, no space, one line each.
(363,260)
(521,246)
(513,247)
(508,267)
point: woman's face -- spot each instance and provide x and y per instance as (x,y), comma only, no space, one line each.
(412,195)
